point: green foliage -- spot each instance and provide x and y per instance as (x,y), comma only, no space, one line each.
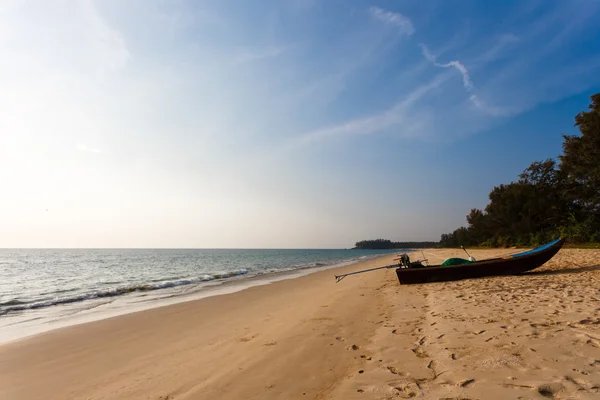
(548,200)
(379,244)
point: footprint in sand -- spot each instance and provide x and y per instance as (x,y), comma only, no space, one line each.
(550,390)
(580,383)
(594,342)
(393,370)
(419,352)
(405,388)
(465,382)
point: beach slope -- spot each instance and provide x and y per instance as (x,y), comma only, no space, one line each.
(367,337)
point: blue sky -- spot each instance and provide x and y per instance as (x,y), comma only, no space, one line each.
(290,123)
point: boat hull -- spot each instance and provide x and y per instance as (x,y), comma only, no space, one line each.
(516,264)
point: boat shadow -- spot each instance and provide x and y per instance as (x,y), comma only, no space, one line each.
(524,284)
(575,270)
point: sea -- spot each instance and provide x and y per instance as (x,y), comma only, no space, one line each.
(45,289)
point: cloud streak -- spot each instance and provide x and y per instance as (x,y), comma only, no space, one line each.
(215,113)
(504,41)
(393,18)
(467,83)
(396,116)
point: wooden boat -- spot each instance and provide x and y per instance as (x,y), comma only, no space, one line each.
(511,265)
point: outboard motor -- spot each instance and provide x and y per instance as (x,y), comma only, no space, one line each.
(404,260)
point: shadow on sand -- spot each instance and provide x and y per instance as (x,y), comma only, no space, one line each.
(576,270)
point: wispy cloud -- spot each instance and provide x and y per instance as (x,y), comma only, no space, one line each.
(88,149)
(393,18)
(396,116)
(108,43)
(467,83)
(504,41)
(226,93)
(493,111)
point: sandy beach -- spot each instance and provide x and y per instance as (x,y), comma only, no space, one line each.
(367,337)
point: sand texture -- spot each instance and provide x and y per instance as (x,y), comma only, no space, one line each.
(367,337)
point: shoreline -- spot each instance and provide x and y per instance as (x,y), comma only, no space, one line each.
(100,309)
(531,336)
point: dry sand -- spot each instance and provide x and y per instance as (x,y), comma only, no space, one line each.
(518,337)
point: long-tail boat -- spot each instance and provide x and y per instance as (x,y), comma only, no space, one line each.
(456,269)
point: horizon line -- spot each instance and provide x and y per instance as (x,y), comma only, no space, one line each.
(184,248)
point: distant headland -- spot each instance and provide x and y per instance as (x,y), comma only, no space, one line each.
(383,244)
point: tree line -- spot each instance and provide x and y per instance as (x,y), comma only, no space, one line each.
(380,244)
(550,198)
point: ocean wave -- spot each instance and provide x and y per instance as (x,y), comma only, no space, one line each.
(110,287)
(13,306)
(13,302)
(57,291)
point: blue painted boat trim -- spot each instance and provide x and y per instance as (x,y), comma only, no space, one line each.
(537,249)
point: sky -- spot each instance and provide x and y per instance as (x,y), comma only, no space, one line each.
(277,124)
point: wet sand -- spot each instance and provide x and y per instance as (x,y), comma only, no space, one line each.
(367,337)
